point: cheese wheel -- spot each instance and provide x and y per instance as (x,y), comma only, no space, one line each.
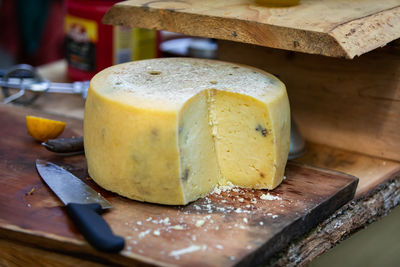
(169,130)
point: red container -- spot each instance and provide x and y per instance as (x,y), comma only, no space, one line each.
(89,43)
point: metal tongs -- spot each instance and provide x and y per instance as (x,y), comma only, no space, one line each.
(31,85)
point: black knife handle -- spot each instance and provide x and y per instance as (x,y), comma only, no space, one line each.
(93,227)
(64,145)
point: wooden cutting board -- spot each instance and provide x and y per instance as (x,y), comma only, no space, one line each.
(234,227)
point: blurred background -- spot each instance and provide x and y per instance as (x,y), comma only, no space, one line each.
(32,31)
(43,31)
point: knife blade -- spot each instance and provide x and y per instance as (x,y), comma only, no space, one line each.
(83,204)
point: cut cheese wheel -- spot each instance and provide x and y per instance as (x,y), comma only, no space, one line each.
(169,130)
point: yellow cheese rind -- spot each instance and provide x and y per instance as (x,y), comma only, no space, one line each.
(131,151)
(169,130)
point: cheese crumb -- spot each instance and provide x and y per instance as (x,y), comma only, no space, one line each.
(190,249)
(165,221)
(219,247)
(238,210)
(139,223)
(156,232)
(216,191)
(223,188)
(199,223)
(241,199)
(144,233)
(245,220)
(177,227)
(268,196)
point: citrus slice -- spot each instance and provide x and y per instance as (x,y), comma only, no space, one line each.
(44,129)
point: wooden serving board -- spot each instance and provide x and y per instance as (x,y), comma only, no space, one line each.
(234,227)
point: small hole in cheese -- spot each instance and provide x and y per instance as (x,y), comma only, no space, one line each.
(154,72)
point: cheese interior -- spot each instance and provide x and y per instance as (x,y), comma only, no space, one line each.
(198,160)
(244,140)
(169,130)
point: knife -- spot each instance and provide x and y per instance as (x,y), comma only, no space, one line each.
(83,204)
(65,146)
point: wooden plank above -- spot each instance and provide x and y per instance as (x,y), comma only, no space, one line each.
(327,27)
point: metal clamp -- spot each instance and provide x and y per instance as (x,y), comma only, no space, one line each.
(31,85)
(25,78)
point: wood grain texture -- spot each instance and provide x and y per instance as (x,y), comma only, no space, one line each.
(371,171)
(348,104)
(331,28)
(18,254)
(349,219)
(235,227)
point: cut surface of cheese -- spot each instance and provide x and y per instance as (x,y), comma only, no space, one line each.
(169,130)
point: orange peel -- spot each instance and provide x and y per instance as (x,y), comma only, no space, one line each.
(42,129)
